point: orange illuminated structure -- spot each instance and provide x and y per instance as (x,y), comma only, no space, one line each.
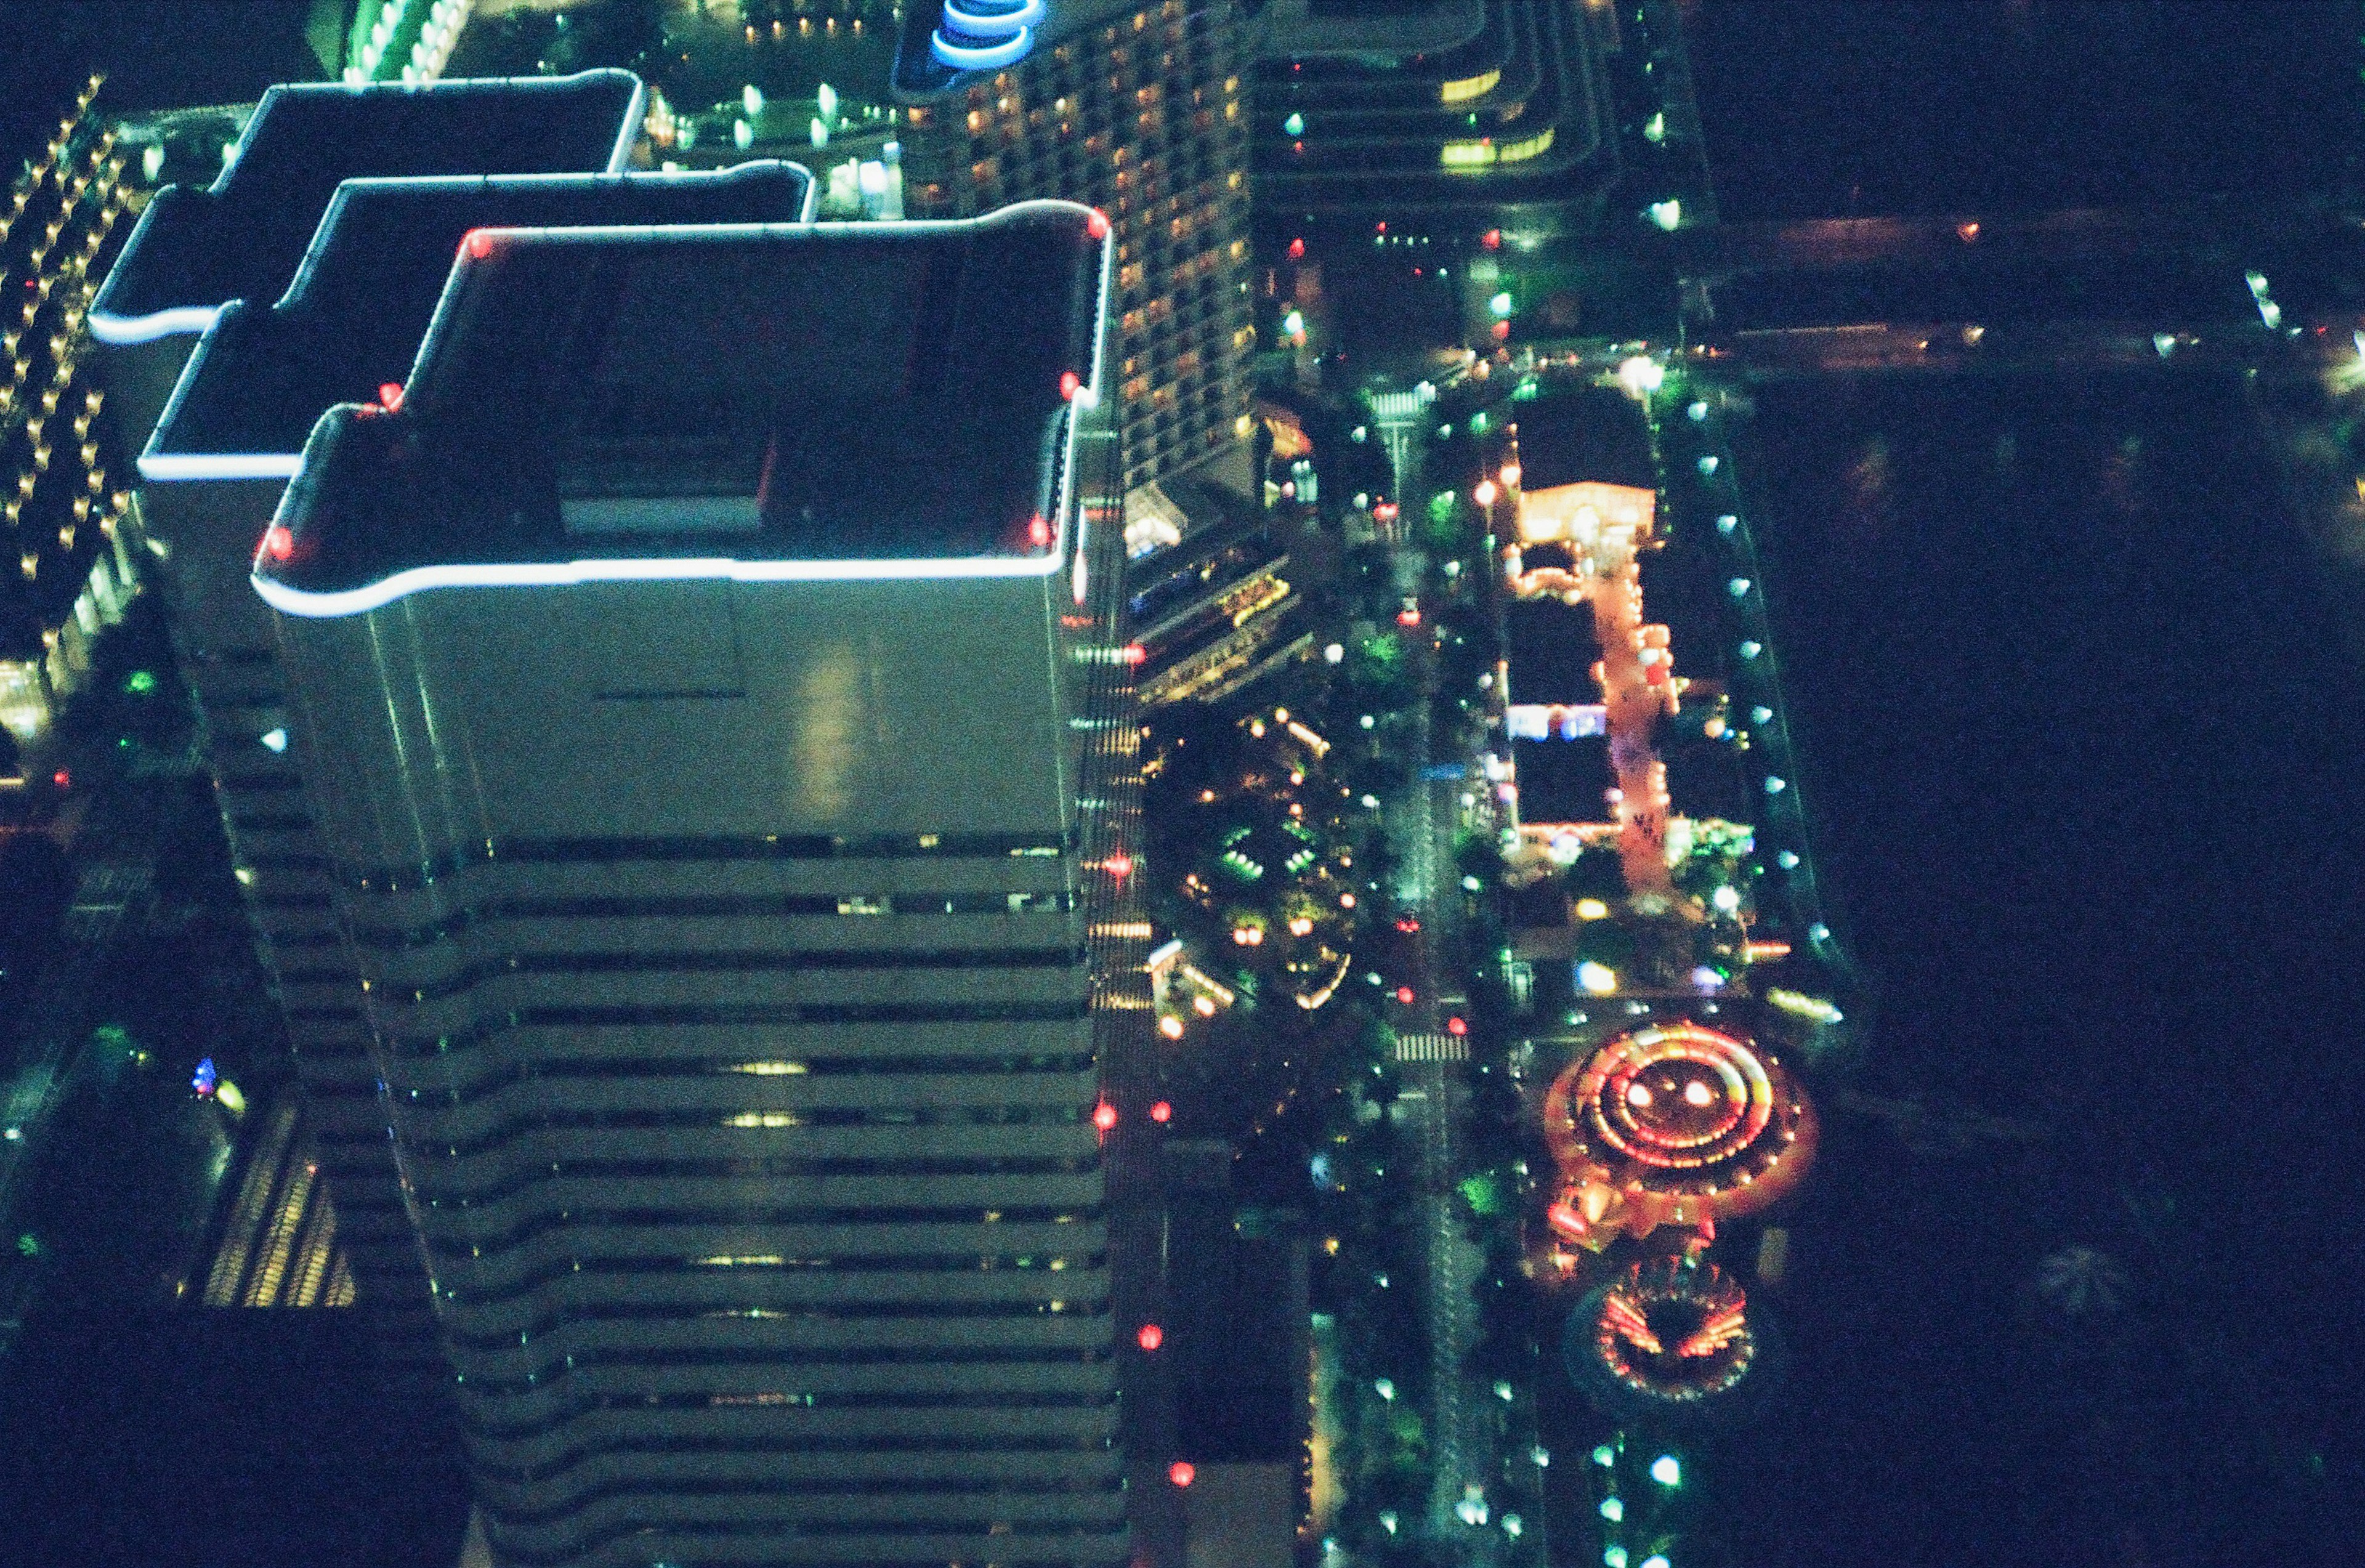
(1663,1334)
(1672,1125)
(1582,542)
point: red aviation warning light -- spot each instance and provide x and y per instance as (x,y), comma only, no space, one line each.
(278,543)
(1069,383)
(479,243)
(1162,1112)
(1104,1117)
(1096,224)
(1038,531)
(389,396)
(1182,1472)
(1150,1337)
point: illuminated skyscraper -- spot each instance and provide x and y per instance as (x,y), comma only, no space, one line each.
(704,684)
(1137,107)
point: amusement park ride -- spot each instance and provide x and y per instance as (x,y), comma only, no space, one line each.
(1670,1116)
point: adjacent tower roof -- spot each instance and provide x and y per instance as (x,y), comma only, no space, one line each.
(361,302)
(246,236)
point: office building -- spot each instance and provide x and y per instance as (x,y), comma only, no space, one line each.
(68,534)
(708,686)
(1137,107)
(1410,121)
(349,326)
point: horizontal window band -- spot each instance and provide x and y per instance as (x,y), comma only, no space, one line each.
(688,1355)
(761,1169)
(786,847)
(279,821)
(516,1126)
(278,781)
(787,961)
(966,1064)
(1088,1305)
(293,937)
(752,906)
(591,1220)
(1062,1540)
(746,1015)
(474,1420)
(1054,1486)
(992,1445)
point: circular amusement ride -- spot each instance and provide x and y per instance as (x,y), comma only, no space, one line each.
(1657,1134)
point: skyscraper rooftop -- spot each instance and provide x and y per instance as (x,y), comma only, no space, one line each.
(244,237)
(831,401)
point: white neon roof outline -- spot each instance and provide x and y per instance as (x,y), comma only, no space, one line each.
(167,467)
(983,57)
(185,320)
(560,574)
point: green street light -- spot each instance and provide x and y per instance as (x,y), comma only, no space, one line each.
(1667,1469)
(1500,305)
(1295,124)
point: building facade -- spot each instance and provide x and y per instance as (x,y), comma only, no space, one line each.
(1437,121)
(1138,108)
(708,689)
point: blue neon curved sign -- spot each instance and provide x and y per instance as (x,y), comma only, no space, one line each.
(985,35)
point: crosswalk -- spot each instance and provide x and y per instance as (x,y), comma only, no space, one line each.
(1432,1048)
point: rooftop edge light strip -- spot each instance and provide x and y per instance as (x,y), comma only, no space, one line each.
(108,327)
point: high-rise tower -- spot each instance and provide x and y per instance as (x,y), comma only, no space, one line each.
(704,683)
(1136,107)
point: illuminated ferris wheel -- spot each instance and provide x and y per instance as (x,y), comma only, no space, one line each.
(1663,1336)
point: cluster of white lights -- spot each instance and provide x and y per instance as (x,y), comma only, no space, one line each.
(429,51)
